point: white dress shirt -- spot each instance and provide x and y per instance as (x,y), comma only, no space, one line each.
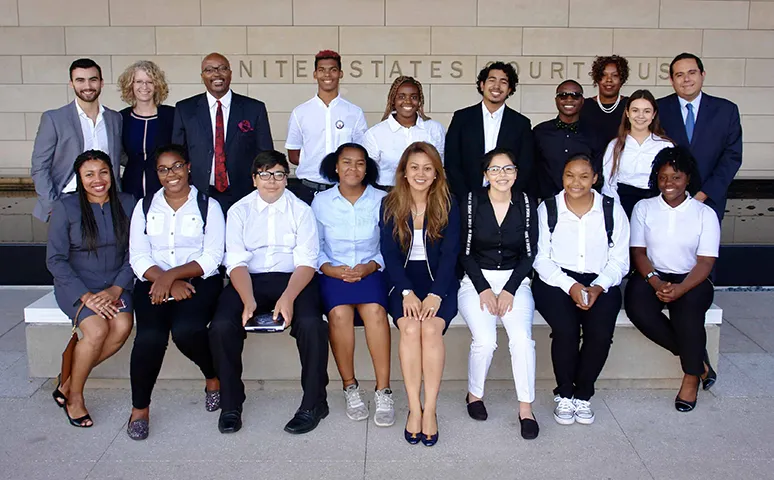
(580,245)
(225,105)
(175,238)
(674,237)
(387,140)
(349,234)
(696,102)
(635,164)
(492,123)
(318,129)
(271,237)
(94,138)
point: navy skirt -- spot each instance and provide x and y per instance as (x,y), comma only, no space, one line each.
(335,292)
(416,271)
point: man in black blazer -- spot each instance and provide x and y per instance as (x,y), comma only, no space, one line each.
(223,132)
(708,126)
(477,129)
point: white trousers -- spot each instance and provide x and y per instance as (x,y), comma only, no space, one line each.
(483,328)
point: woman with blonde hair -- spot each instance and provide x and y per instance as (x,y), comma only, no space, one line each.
(404,122)
(420,242)
(147,125)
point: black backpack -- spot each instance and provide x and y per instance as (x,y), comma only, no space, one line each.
(202,200)
(607,209)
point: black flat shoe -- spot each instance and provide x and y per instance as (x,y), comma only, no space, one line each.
(230,422)
(304,421)
(78,422)
(477,409)
(430,440)
(411,438)
(529,428)
(709,379)
(138,429)
(57,394)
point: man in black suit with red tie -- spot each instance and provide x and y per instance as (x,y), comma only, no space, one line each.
(223,132)
(491,124)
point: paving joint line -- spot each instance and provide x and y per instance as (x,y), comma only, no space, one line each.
(120,429)
(604,400)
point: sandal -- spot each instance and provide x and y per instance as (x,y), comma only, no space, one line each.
(59,397)
(78,422)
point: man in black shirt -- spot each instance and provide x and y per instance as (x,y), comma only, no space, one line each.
(556,140)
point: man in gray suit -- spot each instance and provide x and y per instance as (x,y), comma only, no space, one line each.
(68,131)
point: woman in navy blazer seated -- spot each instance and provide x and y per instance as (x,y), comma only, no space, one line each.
(674,242)
(147,125)
(88,256)
(420,242)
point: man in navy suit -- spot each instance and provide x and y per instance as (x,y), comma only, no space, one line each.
(491,124)
(223,132)
(709,126)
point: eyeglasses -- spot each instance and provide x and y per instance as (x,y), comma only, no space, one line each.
(508,170)
(278,176)
(143,83)
(219,69)
(164,171)
(564,95)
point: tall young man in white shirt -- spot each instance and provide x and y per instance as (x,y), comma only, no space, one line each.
(271,256)
(318,126)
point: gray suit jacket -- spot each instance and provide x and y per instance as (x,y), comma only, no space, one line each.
(58,143)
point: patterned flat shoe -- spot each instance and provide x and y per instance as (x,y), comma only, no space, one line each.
(138,429)
(212,400)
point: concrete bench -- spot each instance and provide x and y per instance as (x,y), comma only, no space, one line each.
(633,358)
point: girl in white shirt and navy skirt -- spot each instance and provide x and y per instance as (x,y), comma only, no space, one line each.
(675,240)
(583,253)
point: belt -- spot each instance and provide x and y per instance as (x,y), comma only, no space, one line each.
(317,187)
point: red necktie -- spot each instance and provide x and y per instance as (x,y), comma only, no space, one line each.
(221,176)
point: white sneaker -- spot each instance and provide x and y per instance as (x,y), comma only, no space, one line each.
(356,408)
(583,412)
(385,412)
(564,413)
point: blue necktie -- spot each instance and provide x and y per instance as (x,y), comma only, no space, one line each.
(690,122)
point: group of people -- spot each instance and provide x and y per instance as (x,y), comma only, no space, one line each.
(401,220)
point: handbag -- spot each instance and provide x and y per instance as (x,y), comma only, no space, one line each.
(69,351)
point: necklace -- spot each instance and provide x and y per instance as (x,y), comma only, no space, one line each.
(590,206)
(419,214)
(609,109)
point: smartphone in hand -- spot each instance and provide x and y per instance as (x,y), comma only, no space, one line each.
(265,323)
(585,296)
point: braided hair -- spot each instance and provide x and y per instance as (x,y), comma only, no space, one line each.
(394,91)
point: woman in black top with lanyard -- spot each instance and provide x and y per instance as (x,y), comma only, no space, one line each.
(675,241)
(498,246)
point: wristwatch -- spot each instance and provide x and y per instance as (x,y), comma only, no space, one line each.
(651,275)
(405,293)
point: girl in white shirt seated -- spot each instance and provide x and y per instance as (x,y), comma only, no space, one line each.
(403,123)
(175,254)
(579,266)
(675,240)
(628,159)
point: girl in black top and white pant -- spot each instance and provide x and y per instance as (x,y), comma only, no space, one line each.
(675,240)
(498,246)
(579,271)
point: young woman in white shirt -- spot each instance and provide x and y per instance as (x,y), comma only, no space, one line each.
(675,240)
(403,123)
(628,159)
(175,255)
(579,270)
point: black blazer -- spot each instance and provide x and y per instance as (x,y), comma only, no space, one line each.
(247,134)
(137,166)
(465,148)
(716,143)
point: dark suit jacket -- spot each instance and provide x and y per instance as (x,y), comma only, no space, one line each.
(140,177)
(193,129)
(465,148)
(716,142)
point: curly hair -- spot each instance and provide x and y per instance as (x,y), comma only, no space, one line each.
(681,160)
(399,82)
(156,74)
(328,165)
(598,68)
(510,72)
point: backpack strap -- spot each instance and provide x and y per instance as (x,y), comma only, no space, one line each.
(203,201)
(527,221)
(146,204)
(551,211)
(608,203)
(471,213)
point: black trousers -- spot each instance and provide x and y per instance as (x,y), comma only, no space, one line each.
(302,191)
(631,195)
(226,198)
(187,321)
(682,333)
(227,338)
(576,366)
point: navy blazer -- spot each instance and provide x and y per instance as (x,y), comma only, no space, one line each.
(716,143)
(140,177)
(247,134)
(441,255)
(75,269)
(465,148)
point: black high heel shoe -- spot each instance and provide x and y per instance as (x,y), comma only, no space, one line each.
(412,438)
(684,405)
(57,394)
(430,440)
(709,379)
(78,422)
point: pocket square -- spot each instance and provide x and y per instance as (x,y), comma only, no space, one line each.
(245,126)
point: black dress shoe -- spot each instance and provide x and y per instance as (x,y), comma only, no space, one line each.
(476,410)
(529,428)
(684,405)
(230,422)
(304,421)
(711,377)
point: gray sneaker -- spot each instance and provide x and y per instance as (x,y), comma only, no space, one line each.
(385,412)
(564,413)
(356,408)
(583,412)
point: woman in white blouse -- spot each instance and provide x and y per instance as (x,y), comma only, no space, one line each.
(579,266)
(675,240)
(628,159)
(175,253)
(403,123)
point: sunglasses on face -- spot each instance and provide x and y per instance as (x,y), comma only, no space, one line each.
(565,95)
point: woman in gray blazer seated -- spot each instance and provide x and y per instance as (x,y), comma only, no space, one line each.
(88,256)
